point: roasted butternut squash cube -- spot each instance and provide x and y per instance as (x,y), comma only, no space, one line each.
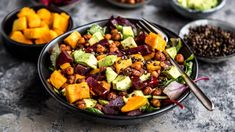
(60,22)
(44,24)
(19,24)
(72,39)
(65,65)
(76,92)
(19,37)
(46,37)
(58,31)
(122,64)
(45,15)
(26,11)
(153,66)
(156,41)
(35,33)
(34,21)
(149,56)
(57,79)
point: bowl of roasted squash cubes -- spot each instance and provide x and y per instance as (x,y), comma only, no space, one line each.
(111,71)
(27,30)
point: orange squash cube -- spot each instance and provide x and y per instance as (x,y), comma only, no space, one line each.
(26,11)
(60,22)
(65,65)
(72,39)
(76,92)
(19,37)
(155,41)
(57,79)
(46,37)
(33,20)
(134,103)
(35,33)
(19,24)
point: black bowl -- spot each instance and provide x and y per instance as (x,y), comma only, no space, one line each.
(44,73)
(128,6)
(195,14)
(217,23)
(21,50)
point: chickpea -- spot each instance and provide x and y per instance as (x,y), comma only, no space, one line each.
(160,56)
(116,36)
(100,57)
(148,90)
(81,40)
(63,47)
(131,1)
(117,43)
(112,96)
(81,104)
(100,48)
(113,47)
(156,102)
(136,73)
(157,92)
(137,65)
(69,70)
(163,65)
(71,79)
(155,74)
(99,106)
(179,58)
(114,31)
(108,36)
(68,48)
(87,36)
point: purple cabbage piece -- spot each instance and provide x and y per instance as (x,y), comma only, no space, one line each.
(140,39)
(96,87)
(174,90)
(143,49)
(82,70)
(114,106)
(110,110)
(134,113)
(63,57)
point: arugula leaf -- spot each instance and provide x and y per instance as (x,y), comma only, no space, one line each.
(191,57)
(94,110)
(54,54)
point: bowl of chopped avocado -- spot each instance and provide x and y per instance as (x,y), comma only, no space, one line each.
(195,9)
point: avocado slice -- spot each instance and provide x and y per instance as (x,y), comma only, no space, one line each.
(107,61)
(86,59)
(173,72)
(127,32)
(122,83)
(96,37)
(110,74)
(172,51)
(145,77)
(90,103)
(128,43)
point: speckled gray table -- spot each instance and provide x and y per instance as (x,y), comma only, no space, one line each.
(25,106)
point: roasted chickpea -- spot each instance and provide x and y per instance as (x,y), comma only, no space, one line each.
(68,48)
(116,36)
(113,47)
(69,70)
(100,48)
(157,92)
(100,57)
(156,102)
(81,40)
(135,73)
(131,1)
(99,106)
(179,58)
(117,43)
(81,104)
(160,56)
(147,90)
(112,96)
(71,79)
(108,36)
(87,36)
(137,65)
(155,74)
(114,31)
(63,47)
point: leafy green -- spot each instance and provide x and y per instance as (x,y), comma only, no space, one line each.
(54,54)
(189,68)
(176,42)
(190,58)
(94,110)
(148,108)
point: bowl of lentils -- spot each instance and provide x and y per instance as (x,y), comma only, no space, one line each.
(212,41)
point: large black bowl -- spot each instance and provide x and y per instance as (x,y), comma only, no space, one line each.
(21,50)
(44,73)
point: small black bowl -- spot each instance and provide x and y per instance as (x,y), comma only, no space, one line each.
(44,74)
(217,23)
(21,50)
(128,6)
(195,14)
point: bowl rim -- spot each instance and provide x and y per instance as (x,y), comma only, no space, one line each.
(217,7)
(15,11)
(126,5)
(104,116)
(208,21)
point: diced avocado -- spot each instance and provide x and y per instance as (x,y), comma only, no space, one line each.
(136,93)
(145,77)
(90,103)
(95,28)
(107,60)
(96,37)
(110,74)
(127,32)
(173,72)
(103,102)
(83,58)
(128,43)
(172,52)
(119,27)
(122,83)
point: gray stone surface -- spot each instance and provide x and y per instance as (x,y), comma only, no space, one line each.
(25,106)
